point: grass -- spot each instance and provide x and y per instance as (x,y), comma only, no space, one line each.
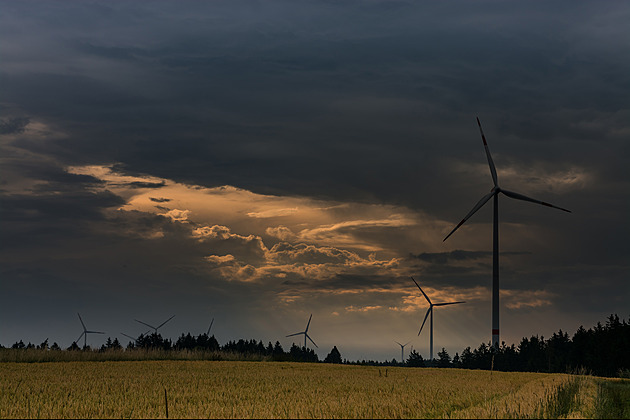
(613,399)
(231,389)
(45,356)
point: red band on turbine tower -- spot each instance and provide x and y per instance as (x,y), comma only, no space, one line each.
(495,332)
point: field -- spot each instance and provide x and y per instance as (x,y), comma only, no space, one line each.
(231,389)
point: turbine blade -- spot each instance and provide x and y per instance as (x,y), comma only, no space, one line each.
(398,343)
(291,335)
(448,303)
(518,196)
(159,326)
(128,336)
(425,318)
(407,343)
(479,205)
(212,322)
(425,295)
(307,336)
(77,340)
(144,323)
(309,323)
(493,170)
(94,332)
(81,322)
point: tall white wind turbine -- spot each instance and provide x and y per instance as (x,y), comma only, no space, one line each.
(85,332)
(495,232)
(305,332)
(430,311)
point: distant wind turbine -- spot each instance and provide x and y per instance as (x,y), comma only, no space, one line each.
(305,332)
(430,311)
(86,332)
(155,328)
(402,350)
(495,232)
(212,322)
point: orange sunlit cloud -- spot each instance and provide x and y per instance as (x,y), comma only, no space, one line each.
(295,219)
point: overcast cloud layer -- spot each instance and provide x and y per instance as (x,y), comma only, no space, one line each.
(257,162)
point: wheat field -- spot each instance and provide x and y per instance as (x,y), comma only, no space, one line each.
(226,389)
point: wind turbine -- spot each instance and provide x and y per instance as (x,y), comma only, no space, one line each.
(430,311)
(86,332)
(495,232)
(135,340)
(305,332)
(211,322)
(402,350)
(155,328)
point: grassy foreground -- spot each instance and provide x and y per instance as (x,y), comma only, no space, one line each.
(225,389)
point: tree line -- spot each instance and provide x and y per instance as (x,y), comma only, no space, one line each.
(602,350)
(202,342)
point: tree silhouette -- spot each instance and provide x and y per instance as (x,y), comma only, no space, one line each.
(334,356)
(18,345)
(415,359)
(444,360)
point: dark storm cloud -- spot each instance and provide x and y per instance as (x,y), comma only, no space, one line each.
(457,255)
(346,282)
(13,125)
(138,184)
(274,63)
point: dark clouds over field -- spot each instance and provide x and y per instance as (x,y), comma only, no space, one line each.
(260,161)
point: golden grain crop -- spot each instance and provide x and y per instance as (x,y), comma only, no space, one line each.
(224,389)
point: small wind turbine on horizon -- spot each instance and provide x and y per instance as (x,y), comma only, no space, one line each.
(430,311)
(211,322)
(305,332)
(495,232)
(155,328)
(86,332)
(402,350)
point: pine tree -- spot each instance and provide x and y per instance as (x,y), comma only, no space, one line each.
(334,356)
(444,360)
(415,359)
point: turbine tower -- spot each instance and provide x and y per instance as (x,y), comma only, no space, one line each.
(495,232)
(155,328)
(430,311)
(305,332)
(402,350)
(86,332)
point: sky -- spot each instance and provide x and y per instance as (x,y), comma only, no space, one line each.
(257,162)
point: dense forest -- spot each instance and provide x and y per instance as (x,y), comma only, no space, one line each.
(603,351)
